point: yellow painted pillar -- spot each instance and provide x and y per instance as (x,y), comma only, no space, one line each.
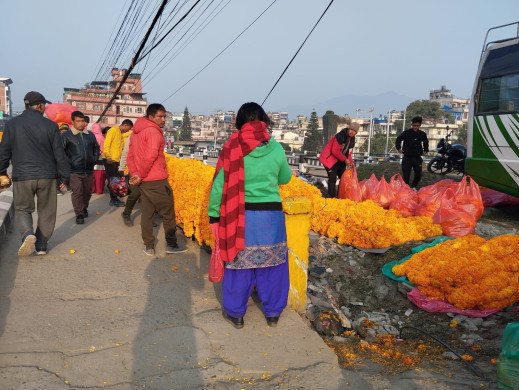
(297,211)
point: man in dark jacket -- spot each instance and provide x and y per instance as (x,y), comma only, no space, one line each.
(82,151)
(33,145)
(415,146)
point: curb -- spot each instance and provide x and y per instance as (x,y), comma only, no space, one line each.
(6,212)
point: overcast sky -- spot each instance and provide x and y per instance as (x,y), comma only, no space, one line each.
(362,47)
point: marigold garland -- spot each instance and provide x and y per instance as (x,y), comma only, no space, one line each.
(468,272)
(361,224)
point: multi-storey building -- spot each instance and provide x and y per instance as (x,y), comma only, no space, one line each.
(5,99)
(92,100)
(459,108)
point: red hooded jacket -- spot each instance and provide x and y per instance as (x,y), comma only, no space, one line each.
(146,154)
(333,151)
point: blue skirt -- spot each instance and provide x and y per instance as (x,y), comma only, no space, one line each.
(265,240)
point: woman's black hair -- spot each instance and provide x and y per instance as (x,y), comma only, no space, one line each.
(105,129)
(251,112)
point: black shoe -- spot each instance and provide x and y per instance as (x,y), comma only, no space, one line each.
(272,321)
(80,220)
(237,322)
(127,220)
(85,213)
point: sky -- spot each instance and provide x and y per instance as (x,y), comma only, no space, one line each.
(361,48)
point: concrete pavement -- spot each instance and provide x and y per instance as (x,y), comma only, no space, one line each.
(100,319)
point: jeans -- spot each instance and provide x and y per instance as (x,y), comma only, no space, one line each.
(46,198)
(111,171)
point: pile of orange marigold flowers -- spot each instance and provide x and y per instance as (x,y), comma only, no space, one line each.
(468,272)
(363,224)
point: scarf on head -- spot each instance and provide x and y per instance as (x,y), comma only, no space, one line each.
(232,209)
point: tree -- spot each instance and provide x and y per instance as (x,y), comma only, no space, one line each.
(185,130)
(462,135)
(329,125)
(314,138)
(285,146)
(428,110)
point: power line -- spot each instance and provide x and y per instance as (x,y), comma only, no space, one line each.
(297,52)
(135,59)
(224,49)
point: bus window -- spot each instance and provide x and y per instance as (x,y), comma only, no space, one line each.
(499,94)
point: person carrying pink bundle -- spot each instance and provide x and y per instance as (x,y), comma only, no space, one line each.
(99,168)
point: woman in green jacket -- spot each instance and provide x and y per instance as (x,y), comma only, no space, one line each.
(246,204)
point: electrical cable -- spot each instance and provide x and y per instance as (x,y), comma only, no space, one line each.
(444,345)
(190,39)
(297,52)
(224,49)
(170,30)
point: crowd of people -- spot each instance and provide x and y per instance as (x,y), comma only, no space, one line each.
(245,209)
(84,159)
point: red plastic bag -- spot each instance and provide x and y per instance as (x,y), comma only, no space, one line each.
(439,186)
(492,197)
(368,185)
(428,206)
(396,183)
(216,264)
(59,112)
(455,221)
(469,199)
(349,186)
(382,193)
(405,204)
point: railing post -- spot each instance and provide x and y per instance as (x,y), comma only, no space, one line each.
(297,211)
(302,167)
(204,156)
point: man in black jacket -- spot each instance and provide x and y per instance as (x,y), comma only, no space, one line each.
(33,145)
(415,146)
(82,151)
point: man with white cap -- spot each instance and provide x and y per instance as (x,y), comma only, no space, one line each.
(336,155)
(33,145)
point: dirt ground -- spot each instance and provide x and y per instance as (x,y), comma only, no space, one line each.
(368,321)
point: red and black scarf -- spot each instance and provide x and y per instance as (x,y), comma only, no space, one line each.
(232,209)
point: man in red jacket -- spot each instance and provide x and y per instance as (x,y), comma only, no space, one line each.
(147,167)
(336,155)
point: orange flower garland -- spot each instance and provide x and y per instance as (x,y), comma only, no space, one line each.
(362,224)
(468,272)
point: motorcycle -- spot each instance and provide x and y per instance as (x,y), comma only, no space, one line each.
(450,158)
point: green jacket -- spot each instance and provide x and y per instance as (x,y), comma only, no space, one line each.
(266,167)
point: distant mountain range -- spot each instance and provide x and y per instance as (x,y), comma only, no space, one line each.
(348,104)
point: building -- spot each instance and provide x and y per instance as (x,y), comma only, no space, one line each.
(459,108)
(92,100)
(6,110)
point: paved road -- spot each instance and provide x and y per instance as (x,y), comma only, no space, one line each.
(96,318)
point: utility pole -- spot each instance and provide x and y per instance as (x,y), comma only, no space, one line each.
(370,131)
(387,131)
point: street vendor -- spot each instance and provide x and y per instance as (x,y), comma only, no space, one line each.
(336,155)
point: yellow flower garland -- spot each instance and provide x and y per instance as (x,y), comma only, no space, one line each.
(468,272)
(361,224)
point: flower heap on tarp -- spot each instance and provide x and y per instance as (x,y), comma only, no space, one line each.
(468,272)
(363,224)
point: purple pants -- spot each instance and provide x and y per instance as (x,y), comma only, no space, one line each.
(272,284)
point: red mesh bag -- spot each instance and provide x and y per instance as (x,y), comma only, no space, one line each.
(349,187)
(468,197)
(216,267)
